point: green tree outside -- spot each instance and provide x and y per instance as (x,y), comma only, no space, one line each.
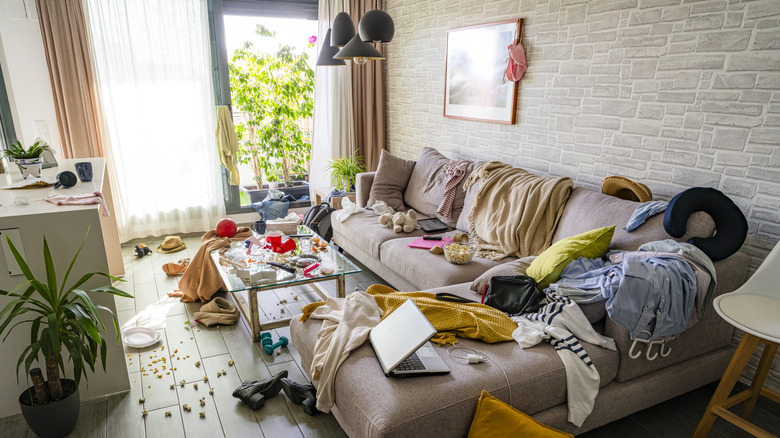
(276,91)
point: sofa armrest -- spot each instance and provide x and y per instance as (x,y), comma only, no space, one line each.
(363,183)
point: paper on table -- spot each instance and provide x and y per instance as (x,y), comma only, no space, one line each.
(32,183)
(428,244)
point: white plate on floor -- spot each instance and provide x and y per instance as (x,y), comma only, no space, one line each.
(140,337)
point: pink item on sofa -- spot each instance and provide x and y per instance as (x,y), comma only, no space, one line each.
(85,199)
(428,244)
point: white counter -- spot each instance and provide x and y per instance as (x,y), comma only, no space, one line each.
(64,228)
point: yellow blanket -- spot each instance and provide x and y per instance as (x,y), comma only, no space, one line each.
(473,321)
(514,212)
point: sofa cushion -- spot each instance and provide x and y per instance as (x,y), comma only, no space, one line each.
(425,190)
(586,210)
(496,418)
(363,230)
(427,270)
(368,404)
(390,181)
(547,268)
(515,267)
(468,201)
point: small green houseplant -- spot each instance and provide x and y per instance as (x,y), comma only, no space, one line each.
(60,316)
(343,171)
(17,151)
(29,160)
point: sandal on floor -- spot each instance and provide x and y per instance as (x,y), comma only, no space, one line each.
(173,269)
(176,294)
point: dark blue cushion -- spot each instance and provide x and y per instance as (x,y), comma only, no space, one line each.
(730,224)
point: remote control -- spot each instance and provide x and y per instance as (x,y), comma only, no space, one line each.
(431,237)
(282,266)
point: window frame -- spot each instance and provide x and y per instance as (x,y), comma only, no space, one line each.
(220,71)
(6,117)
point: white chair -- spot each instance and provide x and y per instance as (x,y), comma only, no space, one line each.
(755,309)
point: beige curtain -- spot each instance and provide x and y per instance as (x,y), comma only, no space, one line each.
(368,96)
(66,44)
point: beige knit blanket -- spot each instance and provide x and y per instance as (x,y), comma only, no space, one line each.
(514,212)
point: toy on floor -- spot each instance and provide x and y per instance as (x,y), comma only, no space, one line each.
(227,228)
(400,221)
(268,347)
(141,250)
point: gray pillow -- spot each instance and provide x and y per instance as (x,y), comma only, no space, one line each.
(425,190)
(390,181)
(515,267)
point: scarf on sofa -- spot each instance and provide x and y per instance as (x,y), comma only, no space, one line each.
(514,212)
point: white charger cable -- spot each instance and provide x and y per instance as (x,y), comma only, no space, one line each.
(473,357)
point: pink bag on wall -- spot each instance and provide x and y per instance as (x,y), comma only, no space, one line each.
(515,63)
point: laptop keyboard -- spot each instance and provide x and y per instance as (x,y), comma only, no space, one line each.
(411,363)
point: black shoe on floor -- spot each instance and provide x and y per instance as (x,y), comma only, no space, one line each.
(272,386)
(249,394)
(298,392)
(310,406)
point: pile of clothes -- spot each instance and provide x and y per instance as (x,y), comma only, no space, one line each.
(659,291)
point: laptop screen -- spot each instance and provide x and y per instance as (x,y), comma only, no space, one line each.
(400,334)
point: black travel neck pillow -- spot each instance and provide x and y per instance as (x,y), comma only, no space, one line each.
(731,227)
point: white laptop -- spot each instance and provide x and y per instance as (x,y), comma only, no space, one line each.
(401,343)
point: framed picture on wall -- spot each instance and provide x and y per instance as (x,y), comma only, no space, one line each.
(474,85)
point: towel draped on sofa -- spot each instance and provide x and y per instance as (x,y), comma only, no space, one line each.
(514,212)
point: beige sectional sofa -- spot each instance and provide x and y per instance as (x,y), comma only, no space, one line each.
(368,404)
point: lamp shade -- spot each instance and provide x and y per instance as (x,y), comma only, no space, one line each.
(343,30)
(358,51)
(376,25)
(327,53)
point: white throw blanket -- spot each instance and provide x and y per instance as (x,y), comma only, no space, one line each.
(347,323)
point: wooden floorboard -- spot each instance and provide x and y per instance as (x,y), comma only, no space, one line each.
(92,419)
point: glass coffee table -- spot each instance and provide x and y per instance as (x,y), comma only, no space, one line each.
(245,273)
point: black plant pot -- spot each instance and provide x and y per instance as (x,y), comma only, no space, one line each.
(53,420)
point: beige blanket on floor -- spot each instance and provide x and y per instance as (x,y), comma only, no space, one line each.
(201,280)
(514,212)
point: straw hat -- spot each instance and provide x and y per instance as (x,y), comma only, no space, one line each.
(171,244)
(624,188)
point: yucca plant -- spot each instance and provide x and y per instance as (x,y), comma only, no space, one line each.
(17,151)
(343,171)
(59,316)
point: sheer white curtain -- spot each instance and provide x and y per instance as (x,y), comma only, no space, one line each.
(333,132)
(154,78)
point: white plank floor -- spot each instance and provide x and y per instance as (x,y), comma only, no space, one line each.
(119,415)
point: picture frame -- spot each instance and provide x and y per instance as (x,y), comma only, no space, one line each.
(476,59)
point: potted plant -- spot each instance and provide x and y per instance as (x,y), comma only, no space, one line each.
(29,160)
(59,315)
(273,181)
(343,171)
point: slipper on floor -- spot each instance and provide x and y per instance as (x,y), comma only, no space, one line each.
(176,294)
(173,269)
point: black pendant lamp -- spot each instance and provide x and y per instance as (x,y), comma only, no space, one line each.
(376,26)
(327,52)
(343,29)
(358,51)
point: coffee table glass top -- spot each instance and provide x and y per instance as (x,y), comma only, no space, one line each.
(245,268)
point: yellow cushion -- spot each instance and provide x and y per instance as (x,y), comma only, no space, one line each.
(495,418)
(547,268)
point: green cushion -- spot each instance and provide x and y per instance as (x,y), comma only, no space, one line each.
(547,268)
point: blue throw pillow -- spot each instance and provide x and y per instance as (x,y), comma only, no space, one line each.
(731,227)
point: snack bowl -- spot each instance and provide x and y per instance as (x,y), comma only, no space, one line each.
(459,253)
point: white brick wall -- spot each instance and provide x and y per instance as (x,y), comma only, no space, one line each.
(673,93)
